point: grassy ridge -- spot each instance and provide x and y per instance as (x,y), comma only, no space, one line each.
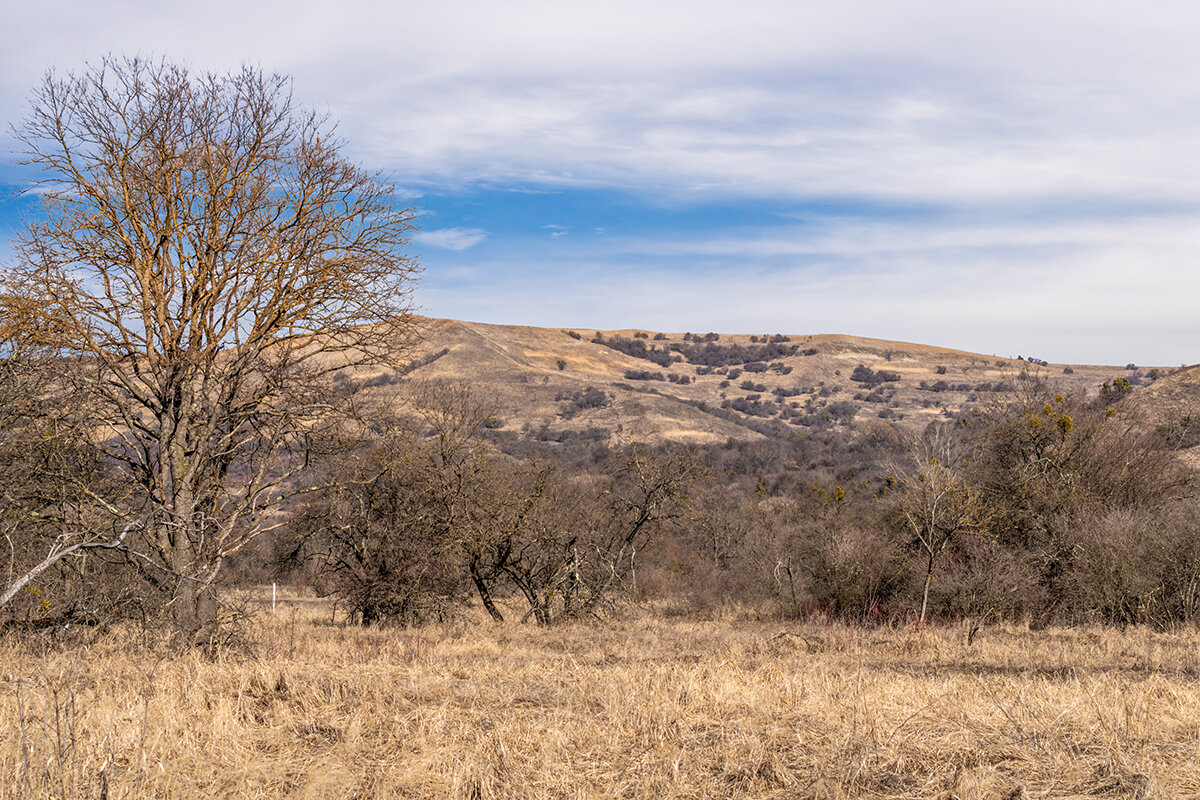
(648,707)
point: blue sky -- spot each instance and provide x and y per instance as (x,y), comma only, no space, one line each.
(1004,177)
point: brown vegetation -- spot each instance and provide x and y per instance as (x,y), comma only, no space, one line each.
(643,707)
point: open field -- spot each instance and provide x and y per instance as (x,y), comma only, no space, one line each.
(644,707)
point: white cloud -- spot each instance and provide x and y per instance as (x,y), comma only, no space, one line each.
(451,238)
(917,101)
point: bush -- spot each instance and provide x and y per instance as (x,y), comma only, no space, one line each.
(870,378)
(842,410)
(862,374)
(708,353)
(636,348)
(584,400)
(643,375)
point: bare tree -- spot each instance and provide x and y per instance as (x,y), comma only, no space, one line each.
(936,501)
(574,544)
(208,255)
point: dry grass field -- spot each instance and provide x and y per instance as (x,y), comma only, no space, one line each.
(644,707)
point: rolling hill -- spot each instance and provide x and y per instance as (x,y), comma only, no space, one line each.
(559,384)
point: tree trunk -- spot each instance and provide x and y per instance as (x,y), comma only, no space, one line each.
(194,612)
(928,580)
(485,594)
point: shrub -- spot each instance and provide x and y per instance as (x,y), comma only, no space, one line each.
(584,400)
(842,410)
(636,348)
(862,374)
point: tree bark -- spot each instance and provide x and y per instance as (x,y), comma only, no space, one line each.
(485,594)
(928,581)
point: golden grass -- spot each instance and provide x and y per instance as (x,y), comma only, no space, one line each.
(641,708)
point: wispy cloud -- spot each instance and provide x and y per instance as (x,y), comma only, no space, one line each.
(913,100)
(451,238)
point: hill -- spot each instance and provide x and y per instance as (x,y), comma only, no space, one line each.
(554,384)
(1171,406)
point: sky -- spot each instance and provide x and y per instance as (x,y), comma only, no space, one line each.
(1010,178)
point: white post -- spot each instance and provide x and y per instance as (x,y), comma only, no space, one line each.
(272,598)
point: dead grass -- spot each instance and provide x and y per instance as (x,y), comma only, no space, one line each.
(643,708)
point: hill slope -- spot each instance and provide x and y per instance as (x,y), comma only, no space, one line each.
(556,384)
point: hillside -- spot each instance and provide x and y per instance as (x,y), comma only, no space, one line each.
(1171,406)
(558,384)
